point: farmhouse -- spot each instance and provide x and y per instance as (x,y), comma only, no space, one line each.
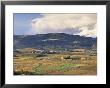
(51,51)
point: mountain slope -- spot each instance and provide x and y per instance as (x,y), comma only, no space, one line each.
(54,41)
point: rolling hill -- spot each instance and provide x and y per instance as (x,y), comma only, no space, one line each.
(54,41)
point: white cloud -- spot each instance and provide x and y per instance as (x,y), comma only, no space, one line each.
(81,24)
(88,31)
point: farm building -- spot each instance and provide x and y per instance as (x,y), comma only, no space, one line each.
(92,52)
(79,51)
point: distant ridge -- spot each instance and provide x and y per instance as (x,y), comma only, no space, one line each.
(54,41)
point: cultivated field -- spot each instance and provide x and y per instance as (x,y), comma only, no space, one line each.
(55,64)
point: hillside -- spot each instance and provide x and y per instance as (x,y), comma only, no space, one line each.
(54,41)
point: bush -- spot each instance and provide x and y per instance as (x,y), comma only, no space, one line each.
(40,55)
(17,72)
(67,57)
(75,58)
(23,73)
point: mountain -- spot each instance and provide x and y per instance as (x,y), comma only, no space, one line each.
(54,41)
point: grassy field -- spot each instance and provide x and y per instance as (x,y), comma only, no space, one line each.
(53,64)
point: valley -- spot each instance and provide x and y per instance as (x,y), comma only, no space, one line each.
(54,54)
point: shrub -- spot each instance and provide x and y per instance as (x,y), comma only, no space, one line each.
(67,57)
(23,73)
(76,58)
(40,55)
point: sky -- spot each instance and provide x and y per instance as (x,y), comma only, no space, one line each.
(36,23)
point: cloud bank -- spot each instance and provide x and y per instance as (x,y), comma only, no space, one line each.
(77,24)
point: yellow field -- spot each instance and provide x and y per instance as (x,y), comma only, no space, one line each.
(54,65)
